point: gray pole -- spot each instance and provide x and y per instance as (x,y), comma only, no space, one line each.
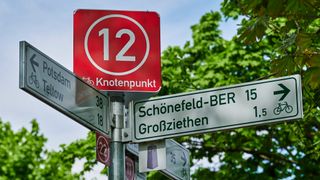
(117,168)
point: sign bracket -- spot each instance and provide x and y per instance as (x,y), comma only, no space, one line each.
(126,135)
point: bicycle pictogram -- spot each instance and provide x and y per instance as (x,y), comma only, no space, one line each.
(33,80)
(283,107)
(88,81)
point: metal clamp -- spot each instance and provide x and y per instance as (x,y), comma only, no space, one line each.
(126,135)
(121,133)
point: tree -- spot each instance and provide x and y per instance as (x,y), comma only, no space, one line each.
(20,153)
(275,38)
(58,164)
(210,61)
(23,156)
(292,27)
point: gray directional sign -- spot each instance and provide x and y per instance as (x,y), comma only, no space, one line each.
(248,104)
(177,159)
(50,82)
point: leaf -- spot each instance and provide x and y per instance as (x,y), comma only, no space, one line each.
(283,66)
(294,5)
(303,41)
(255,30)
(312,76)
(275,7)
(315,60)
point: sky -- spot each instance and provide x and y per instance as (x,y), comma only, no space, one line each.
(48,26)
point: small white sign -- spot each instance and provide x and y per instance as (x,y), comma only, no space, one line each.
(152,156)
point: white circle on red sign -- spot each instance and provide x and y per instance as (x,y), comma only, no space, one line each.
(117,47)
(103,149)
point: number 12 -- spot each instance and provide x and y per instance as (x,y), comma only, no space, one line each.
(120,56)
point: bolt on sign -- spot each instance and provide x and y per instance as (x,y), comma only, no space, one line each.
(118,50)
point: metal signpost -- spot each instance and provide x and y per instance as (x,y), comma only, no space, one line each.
(50,82)
(248,104)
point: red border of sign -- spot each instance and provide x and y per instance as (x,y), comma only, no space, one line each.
(147,75)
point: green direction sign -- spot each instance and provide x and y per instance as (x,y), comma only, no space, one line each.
(248,104)
(50,82)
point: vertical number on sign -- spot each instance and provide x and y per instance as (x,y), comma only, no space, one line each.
(105,33)
(264,111)
(255,111)
(100,119)
(251,94)
(99,102)
(121,54)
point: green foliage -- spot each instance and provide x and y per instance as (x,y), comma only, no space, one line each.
(276,38)
(21,152)
(210,61)
(23,156)
(58,164)
(292,27)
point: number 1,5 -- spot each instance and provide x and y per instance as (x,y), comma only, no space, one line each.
(258,112)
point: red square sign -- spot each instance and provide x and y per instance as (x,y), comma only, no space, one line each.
(118,50)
